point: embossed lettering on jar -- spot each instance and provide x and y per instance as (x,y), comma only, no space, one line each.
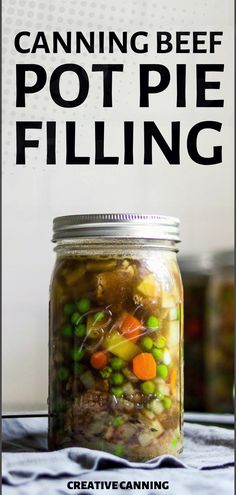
(116,340)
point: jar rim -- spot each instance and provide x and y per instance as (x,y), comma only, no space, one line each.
(117,225)
(206,263)
(201,263)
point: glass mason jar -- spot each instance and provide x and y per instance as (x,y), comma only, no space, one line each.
(116,319)
(219,349)
(195,270)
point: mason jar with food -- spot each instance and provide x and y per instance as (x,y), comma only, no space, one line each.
(219,344)
(196,270)
(116,336)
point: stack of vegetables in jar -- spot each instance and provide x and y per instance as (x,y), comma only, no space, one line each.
(116,361)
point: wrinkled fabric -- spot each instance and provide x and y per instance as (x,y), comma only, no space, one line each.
(205,466)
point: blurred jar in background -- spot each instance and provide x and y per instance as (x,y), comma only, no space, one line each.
(195,271)
(219,349)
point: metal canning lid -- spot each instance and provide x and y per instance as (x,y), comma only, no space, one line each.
(205,263)
(196,264)
(224,259)
(119,225)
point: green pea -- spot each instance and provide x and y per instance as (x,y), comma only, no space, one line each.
(153,322)
(147,343)
(166,402)
(83,305)
(117,363)
(79,368)
(175,440)
(63,373)
(159,395)
(75,318)
(118,421)
(69,308)
(77,354)
(117,379)
(106,372)
(162,371)
(179,312)
(118,450)
(174,443)
(157,354)
(67,330)
(80,330)
(117,392)
(160,342)
(147,387)
(99,316)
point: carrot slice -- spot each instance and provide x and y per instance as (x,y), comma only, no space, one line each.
(131,328)
(173,377)
(144,366)
(98,360)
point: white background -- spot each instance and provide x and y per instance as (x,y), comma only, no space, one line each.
(202,197)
